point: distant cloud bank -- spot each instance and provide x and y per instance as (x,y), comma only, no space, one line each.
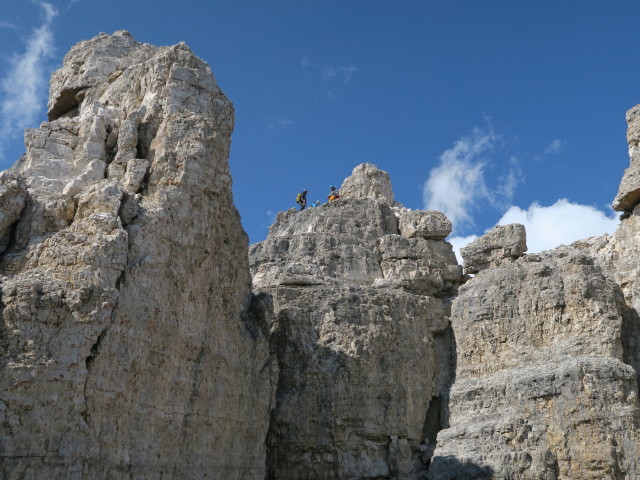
(24,86)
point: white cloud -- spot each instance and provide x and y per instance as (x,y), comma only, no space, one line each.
(555,147)
(23,88)
(5,24)
(562,223)
(328,72)
(458,242)
(277,124)
(458,182)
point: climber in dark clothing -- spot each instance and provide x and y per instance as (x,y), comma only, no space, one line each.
(301,199)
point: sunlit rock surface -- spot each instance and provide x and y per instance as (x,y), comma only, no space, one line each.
(128,348)
(361,335)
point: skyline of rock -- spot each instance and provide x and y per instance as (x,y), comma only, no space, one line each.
(142,337)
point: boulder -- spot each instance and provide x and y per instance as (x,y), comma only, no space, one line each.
(502,244)
(429,224)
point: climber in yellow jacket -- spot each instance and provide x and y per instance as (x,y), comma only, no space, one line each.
(333,194)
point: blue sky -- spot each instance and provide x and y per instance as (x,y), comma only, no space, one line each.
(490,111)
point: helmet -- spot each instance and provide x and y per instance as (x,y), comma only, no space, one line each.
(332,187)
(305,190)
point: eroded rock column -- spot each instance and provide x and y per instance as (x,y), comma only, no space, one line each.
(361,334)
(129,347)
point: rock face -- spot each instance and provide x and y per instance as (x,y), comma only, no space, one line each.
(129,348)
(503,244)
(368,181)
(361,335)
(132,346)
(541,388)
(629,191)
(548,357)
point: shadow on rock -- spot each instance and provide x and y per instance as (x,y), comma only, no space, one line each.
(450,468)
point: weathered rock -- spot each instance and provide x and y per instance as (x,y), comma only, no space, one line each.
(361,336)
(368,181)
(13,195)
(428,224)
(541,387)
(502,244)
(129,349)
(629,190)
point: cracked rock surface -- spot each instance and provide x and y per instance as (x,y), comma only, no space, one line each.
(547,361)
(361,334)
(128,346)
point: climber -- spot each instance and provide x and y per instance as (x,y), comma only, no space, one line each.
(301,199)
(315,204)
(333,194)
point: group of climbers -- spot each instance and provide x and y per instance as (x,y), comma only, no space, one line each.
(301,198)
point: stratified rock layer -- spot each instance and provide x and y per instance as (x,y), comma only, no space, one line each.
(502,244)
(128,348)
(361,336)
(541,389)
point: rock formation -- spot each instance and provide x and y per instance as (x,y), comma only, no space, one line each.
(548,356)
(503,244)
(129,349)
(361,333)
(132,345)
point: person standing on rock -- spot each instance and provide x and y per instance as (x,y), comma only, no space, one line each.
(301,199)
(333,194)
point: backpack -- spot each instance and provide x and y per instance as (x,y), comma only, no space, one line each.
(299,198)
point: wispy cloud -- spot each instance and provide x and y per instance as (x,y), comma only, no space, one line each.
(274,124)
(328,72)
(458,184)
(5,24)
(555,147)
(23,88)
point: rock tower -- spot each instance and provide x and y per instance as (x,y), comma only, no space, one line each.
(360,287)
(128,346)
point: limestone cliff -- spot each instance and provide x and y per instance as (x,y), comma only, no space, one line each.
(360,287)
(128,349)
(132,346)
(548,356)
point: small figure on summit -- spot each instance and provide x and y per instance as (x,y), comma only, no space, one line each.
(333,194)
(301,199)
(315,204)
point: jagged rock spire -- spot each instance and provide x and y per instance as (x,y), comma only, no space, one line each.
(629,191)
(127,345)
(368,181)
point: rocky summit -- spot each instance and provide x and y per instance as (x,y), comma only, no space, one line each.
(141,337)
